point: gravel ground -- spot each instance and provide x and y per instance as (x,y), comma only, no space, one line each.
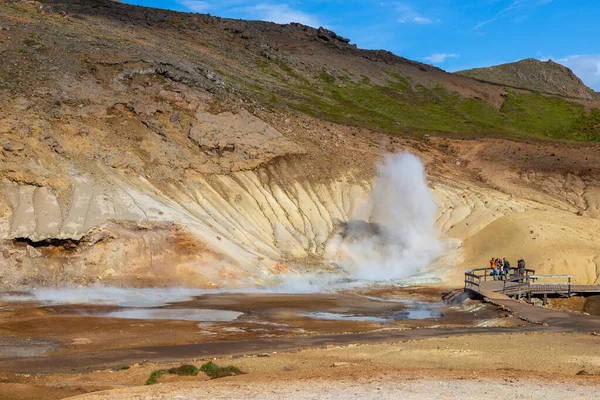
(353,389)
(527,366)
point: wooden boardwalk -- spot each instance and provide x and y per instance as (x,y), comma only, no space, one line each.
(528,285)
(541,288)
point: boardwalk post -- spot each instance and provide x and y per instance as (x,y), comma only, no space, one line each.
(545,299)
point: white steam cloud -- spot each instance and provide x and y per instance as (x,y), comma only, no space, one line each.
(401,213)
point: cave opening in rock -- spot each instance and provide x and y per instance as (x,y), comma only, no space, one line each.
(68,244)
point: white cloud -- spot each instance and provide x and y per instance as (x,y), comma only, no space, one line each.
(195,5)
(517,6)
(437,58)
(422,20)
(585,66)
(281,14)
(408,14)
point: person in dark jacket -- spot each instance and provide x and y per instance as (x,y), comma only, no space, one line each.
(506,268)
(521,265)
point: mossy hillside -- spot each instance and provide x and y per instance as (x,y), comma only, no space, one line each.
(375,96)
(400,106)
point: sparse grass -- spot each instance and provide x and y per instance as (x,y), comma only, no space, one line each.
(290,71)
(325,77)
(124,368)
(266,68)
(214,371)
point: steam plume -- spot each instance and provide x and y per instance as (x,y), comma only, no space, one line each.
(401,211)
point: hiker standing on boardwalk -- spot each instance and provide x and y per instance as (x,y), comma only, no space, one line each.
(521,265)
(494,268)
(499,267)
(506,268)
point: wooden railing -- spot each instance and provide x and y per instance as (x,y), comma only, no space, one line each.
(527,283)
(473,277)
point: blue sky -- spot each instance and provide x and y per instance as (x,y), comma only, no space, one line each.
(451,34)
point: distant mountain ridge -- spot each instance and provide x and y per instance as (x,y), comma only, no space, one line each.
(541,76)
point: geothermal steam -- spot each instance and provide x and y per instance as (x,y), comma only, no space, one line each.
(394,235)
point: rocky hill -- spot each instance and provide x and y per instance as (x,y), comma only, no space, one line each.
(531,74)
(147,147)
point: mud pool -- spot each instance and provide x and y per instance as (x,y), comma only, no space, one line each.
(55,323)
(182,314)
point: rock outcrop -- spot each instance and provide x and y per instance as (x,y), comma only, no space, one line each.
(541,76)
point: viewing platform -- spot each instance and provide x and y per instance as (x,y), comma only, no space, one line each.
(479,281)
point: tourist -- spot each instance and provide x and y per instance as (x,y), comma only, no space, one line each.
(506,268)
(521,266)
(499,267)
(495,272)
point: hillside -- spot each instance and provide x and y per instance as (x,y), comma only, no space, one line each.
(284,67)
(147,147)
(531,74)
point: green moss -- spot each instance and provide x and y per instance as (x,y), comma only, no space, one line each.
(186,369)
(401,107)
(214,371)
(590,126)
(155,375)
(543,116)
(183,370)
